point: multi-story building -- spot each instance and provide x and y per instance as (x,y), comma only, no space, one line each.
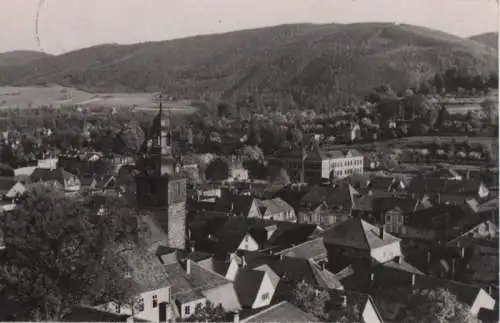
(318,164)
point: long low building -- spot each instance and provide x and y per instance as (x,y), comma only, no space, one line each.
(318,164)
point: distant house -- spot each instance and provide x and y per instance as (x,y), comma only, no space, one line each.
(69,182)
(327,204)
(318,164)
(276,209)
(447,190)
(356,239)
(282,312)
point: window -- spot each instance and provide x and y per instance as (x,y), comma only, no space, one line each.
(140,305)
(155,301)
(187,310)
(265,296)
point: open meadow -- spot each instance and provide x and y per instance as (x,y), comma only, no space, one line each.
(60,97)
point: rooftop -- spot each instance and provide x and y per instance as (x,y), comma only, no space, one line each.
(357,233)
(281,312)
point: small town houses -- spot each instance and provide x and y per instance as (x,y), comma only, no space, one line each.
(247,251)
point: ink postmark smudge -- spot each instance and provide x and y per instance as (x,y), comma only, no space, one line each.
(37,21)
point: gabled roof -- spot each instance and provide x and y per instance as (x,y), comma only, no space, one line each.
(275,205)
(195,285)
(141,268)
(275,279)
(45,174)
(312,249)
(384,183)
(247,284)
(295,270)
(341,195)
(402,265)
(282,312)
(357,233)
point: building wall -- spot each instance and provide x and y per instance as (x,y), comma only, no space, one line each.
(265,293)
(369,314)
(248,243)
(483,300)
(254,211)
(188,309)
(232,270)
(342,167)
(177,225)
(387,252)
(149,313)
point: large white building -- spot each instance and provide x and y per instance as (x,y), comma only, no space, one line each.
(319,164)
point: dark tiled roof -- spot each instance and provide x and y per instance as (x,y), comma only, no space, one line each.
(363,203)
(6,184)
(382,183)
(199,278)
(341,195)
(422,185)
(143,269)
(282,312)
(44,175)
(357,233)
(312,249)
(247,284)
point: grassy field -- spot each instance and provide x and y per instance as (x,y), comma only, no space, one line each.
(59,97)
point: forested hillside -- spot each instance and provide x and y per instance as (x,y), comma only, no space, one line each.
(315,66)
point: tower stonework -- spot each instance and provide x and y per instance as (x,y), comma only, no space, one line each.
(159,188)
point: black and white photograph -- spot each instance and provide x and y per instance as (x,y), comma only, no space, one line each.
(249,161)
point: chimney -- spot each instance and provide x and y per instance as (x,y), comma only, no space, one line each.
(452,271)
(428,257)
(188,266)
(344,301)
(243,262)
(236,317)
(282,256)
(490,290)
(413,277)
(462,252)
(382,233)
(192,248)
(398,259)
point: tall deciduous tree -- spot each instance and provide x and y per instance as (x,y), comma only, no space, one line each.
(58,254)
(310,300)
(217,170)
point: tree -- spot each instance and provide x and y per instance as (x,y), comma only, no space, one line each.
(131,137)
(217,170)
(310,300)
(209,313)
(439,306)
(59,252)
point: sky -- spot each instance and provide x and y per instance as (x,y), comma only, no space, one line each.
(59,26)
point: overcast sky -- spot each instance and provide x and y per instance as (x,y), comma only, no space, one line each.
(65,25)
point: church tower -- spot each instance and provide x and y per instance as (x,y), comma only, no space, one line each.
(160,188)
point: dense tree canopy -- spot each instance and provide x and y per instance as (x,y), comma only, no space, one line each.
(58,254)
